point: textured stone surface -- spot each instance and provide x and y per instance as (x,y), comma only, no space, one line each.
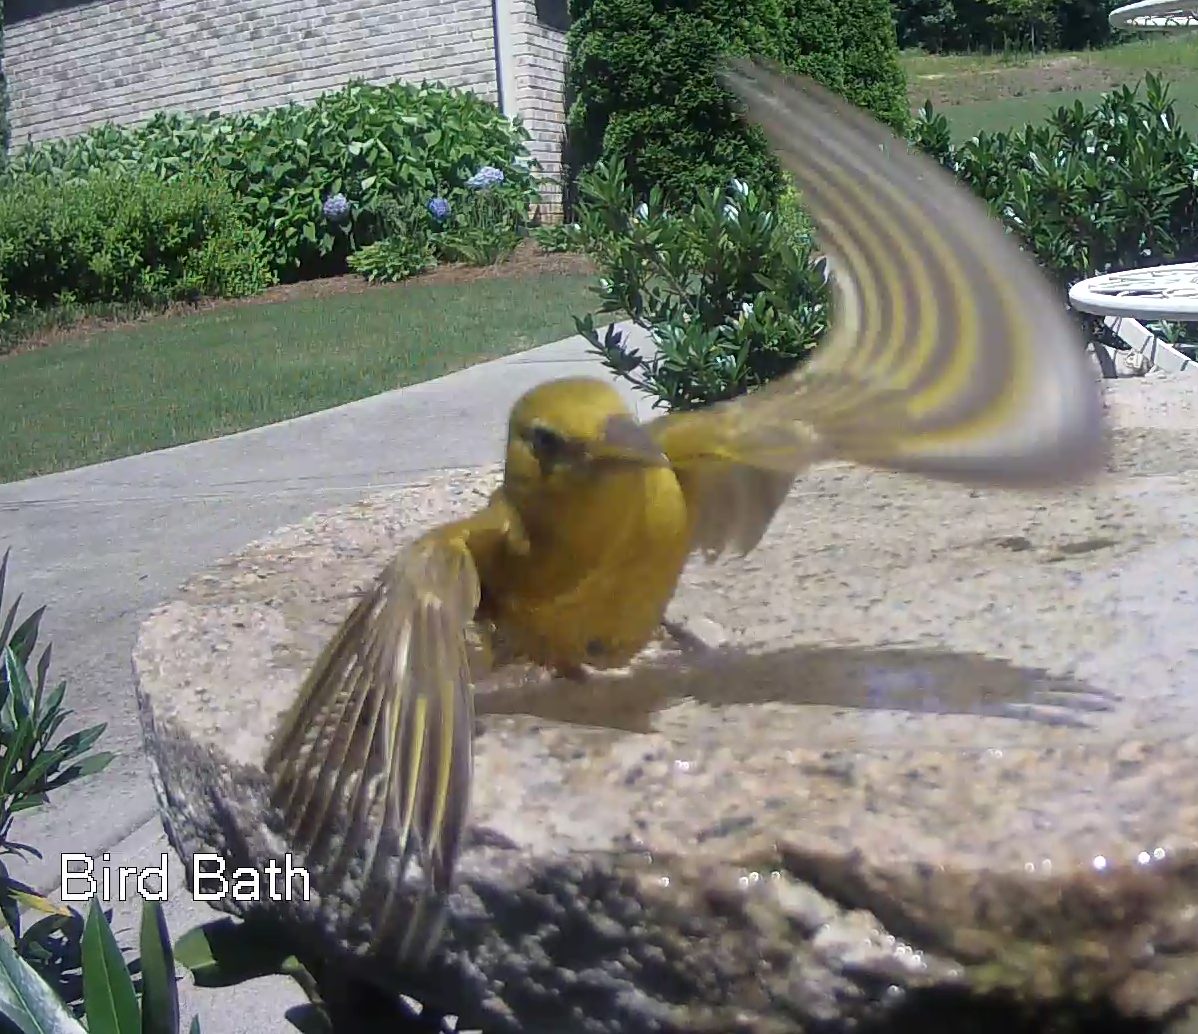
(73,66)
(949,744)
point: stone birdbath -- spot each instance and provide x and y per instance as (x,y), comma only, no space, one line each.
(944,763)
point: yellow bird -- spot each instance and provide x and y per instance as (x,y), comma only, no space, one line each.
(949,356)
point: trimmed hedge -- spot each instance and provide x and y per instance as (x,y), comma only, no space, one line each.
(125,237)
(642,88)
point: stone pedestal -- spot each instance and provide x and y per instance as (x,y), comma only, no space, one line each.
(950,745)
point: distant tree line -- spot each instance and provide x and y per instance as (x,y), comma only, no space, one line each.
(967,25)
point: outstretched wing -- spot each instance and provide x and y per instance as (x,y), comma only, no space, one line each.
(950,355)
(374,761)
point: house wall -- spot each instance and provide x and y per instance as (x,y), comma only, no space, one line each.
(72,65)
(539,54)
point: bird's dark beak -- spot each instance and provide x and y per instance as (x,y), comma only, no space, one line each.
(625,440)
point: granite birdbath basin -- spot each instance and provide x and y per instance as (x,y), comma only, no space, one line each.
(944,746)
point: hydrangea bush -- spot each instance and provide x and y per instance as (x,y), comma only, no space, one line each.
(488,220)
(479,223)
(729,289)
(310,178)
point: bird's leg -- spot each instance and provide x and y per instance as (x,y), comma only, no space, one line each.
(685,638)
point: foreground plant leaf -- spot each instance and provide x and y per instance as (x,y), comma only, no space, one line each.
(28,1002)
(159,993)
(108,992)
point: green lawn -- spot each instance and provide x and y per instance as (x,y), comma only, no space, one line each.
(181,379)
(998,91)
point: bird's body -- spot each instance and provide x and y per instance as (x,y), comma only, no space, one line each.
(950,357)
(582,574)
(593,592)
(591,579)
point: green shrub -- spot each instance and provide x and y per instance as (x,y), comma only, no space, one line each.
(123,236)
(405,248)
(728,289)
(35,760)
(486,221)
(851,47)
(558,237)
(480,223)
(641,79)
(391,260)
(365,142)
(1090,189)
(110,999)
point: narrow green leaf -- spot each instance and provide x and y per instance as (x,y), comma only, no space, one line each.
(81,742)
(108,993)
(88,766)
(27,898)
(9,908)
(25,637)
(51,712)
(28,1002)
(159,995)
(16,723)
(6,628)
(12,669)
(43,666)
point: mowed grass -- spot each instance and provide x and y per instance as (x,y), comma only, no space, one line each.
(180,379)
(992,92)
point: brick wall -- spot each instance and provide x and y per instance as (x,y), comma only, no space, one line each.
(73,65)
(539,54)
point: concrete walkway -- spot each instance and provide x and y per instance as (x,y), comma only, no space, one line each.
(102,545)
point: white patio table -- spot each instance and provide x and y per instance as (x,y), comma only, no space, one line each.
(1153,293)
(1155,14)
(1156,292)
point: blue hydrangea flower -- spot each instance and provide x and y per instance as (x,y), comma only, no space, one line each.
(336,208)
(486,177)
(438,208)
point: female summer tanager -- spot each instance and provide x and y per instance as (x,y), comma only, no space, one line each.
(949,356)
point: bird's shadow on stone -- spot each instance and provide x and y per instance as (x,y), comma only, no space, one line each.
(914,681)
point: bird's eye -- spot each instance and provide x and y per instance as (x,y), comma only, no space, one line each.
(547,445)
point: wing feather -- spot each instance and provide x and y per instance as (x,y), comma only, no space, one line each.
(374,761)
(949,354)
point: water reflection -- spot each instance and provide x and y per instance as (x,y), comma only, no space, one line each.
(914,681)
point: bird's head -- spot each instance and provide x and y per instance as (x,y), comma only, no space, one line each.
(571,430)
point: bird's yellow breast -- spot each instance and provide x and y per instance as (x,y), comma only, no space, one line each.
(601,568)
